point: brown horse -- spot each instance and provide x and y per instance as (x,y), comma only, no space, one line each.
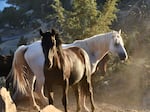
(66,67)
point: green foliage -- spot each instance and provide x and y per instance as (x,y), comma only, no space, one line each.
(108,14)
(59,12)
(0,39)
(40,7)
(85,19)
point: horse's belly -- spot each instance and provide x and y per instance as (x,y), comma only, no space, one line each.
(76,75)
(53,77)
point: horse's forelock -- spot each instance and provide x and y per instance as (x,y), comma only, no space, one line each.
(117,34)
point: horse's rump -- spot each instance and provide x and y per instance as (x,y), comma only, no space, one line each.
(86,78)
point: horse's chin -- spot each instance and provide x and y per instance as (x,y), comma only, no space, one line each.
(123,60)
(123,56)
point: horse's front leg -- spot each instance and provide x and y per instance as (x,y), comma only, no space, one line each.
(50,95)
(65,94)
(89,92)
(48,92)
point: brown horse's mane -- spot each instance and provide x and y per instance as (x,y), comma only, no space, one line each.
(60,53)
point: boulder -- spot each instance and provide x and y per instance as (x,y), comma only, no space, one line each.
(50,108)
(6,103)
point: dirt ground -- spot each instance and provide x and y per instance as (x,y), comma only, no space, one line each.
(110,102)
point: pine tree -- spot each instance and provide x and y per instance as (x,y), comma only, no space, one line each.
(84,19)
(108,14)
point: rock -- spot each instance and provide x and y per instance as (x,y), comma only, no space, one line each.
(50,108)
(6,103)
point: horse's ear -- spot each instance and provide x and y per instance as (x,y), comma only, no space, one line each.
(120,31)
(53,32)
(41,33)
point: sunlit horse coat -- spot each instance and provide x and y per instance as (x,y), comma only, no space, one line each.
(66,67)
(96,47)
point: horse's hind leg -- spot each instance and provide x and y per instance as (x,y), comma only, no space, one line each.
(91,96)
(65,94)
(39,88)
(83,99)
(77,93)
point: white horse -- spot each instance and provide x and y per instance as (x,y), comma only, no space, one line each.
(32,58)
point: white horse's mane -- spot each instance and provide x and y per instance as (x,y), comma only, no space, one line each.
(97,38)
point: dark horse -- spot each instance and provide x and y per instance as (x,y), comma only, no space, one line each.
(5,67)
(66,67)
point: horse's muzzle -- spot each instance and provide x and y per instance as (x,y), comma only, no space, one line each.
(123,56)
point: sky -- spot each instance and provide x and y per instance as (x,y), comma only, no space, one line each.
(3,4)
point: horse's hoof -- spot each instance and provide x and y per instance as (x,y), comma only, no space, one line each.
(36,107)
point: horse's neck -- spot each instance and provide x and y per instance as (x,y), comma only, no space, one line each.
(97,48)
(100,50)
(58,58)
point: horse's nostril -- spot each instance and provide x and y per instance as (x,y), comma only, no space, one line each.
(122,56)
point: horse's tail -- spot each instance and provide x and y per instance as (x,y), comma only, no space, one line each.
(19,67)
(86,81)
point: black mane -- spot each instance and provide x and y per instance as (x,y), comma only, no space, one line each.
(50,38)
(53,32)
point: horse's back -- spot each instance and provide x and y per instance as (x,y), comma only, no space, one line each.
(34,55)
(80,52)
